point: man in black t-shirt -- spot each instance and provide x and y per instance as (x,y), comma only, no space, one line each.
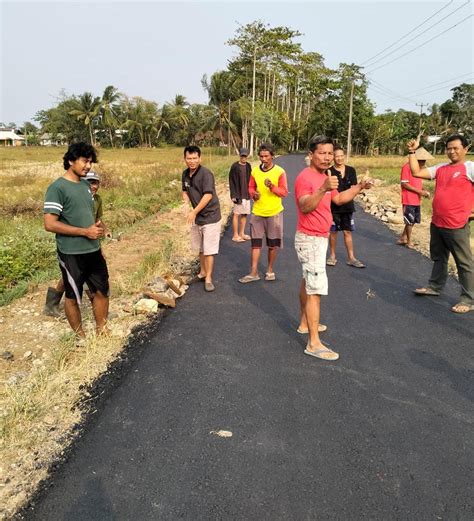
(239,177)
(199,189)
(343,216)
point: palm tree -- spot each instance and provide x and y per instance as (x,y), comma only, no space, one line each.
(109,110)
(86,109)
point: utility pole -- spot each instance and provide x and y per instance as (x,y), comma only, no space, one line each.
(228,131)
(349,130)
(421,105)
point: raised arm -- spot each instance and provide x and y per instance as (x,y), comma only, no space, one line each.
(416,171)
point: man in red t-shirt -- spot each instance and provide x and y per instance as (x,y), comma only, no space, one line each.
(453,204)
(314,191)
(412,192)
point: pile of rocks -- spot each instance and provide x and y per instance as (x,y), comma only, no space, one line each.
(386,211)
(161,291)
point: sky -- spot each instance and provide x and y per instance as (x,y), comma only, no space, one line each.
(157,49)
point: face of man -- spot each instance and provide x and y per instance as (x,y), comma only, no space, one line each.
(455,151)
(94,186)
(322,157)
(192,160)
(81,166)
(339,157)
(243,159)
(266,158)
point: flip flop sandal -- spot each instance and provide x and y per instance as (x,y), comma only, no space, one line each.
(270,276)
(401,243)
(246,237)
(321,329)
(249,278)
(324,354)
(467,308)
(355,264)
(426,291)
(239,239)
(331,262)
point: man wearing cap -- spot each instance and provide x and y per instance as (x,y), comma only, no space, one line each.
(239,177)
(412,192)
(69,213)
(453,204)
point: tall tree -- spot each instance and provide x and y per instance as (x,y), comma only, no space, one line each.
(86,109)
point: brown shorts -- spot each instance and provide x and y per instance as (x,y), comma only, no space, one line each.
(205,238)
(270,227)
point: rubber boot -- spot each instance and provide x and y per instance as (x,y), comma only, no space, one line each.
(51,306)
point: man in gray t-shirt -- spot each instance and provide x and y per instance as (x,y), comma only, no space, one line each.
(198,188)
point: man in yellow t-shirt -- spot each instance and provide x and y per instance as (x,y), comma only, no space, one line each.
(267,187)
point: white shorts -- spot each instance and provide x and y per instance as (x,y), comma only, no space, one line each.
(311,251)
(205,238)
(243,208)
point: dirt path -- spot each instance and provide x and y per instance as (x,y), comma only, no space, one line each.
(38,416)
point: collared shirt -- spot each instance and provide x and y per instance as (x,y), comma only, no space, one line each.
(196,185)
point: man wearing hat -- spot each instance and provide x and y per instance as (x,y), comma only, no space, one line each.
(412,192)
(239,177)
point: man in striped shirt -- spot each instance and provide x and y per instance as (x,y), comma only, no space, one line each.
(69,213)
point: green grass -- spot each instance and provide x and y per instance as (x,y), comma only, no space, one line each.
(136,184)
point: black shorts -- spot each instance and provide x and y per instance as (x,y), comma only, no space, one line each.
(84,267)
(342,222)
(411,214)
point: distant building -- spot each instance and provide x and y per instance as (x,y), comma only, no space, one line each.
(50,140)
(9,138)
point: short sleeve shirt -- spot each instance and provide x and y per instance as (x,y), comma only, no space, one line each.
(406,177)
(200,183)
(349,179)
(74,205)
(453,199)
(319,221)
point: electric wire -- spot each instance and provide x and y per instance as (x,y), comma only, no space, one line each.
(408,33)
(418,35)
(421,45)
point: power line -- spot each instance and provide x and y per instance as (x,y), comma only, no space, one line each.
(408,33)
(381,88)
(421,45)
(415,92)
(418,35)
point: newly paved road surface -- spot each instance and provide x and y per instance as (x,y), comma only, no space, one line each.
(384,433)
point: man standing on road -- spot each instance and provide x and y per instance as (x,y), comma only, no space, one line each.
(412,192)
(199,189)
(239,177)
(69,213)
(343,215)
(267,187)
(314,191)
(453,204)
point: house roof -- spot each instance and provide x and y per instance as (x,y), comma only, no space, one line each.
(10,134)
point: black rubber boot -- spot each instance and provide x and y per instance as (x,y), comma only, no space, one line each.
(51,306)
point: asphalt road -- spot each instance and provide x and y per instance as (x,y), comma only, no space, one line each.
(384,433)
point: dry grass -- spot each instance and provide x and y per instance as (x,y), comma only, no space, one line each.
(40,392)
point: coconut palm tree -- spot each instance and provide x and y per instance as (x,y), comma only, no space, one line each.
(86,109)
(109,105)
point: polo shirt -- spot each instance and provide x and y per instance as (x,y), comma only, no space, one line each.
(406,177)
(74,205)
(319,221)
(196,185)
(453,199)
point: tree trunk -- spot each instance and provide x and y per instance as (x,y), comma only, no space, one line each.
(253,98)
